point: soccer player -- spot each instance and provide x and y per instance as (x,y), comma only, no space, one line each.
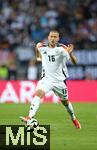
(54,73)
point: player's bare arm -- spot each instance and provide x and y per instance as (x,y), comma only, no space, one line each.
(73,58)
(38,55)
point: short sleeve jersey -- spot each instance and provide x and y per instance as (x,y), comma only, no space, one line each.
(53,60)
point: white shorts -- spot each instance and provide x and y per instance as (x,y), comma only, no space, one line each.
(59,88)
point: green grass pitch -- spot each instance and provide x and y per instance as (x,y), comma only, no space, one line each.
(64,136)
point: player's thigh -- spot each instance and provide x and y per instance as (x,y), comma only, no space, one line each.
(62,91)
(43,86)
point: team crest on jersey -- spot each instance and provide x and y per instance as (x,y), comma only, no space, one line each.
(45,52)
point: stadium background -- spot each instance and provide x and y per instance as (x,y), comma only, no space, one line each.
(23,23)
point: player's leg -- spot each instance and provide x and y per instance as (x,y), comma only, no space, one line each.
(34,105)
(63,94)
(40,93)
(43,87)
(70,110)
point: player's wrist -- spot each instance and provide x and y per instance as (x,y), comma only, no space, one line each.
(70,53)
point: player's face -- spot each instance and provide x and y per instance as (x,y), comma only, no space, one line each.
(53,38)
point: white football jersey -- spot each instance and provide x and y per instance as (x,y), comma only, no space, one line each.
(54,62)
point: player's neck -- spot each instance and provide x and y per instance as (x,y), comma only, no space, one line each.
(52,45)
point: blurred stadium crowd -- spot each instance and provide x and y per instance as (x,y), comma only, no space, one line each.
(23,23)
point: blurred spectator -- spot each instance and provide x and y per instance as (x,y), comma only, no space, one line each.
(32,70)
(88,76)
(3,72)
(25,50)
(12,71)
(36,18)
(4,53)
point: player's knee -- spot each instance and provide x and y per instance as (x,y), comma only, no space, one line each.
(40,93)
(65,102)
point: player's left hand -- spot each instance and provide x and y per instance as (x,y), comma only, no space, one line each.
(70,48)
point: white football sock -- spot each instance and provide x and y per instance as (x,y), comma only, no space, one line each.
(34,106)
(70,110)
